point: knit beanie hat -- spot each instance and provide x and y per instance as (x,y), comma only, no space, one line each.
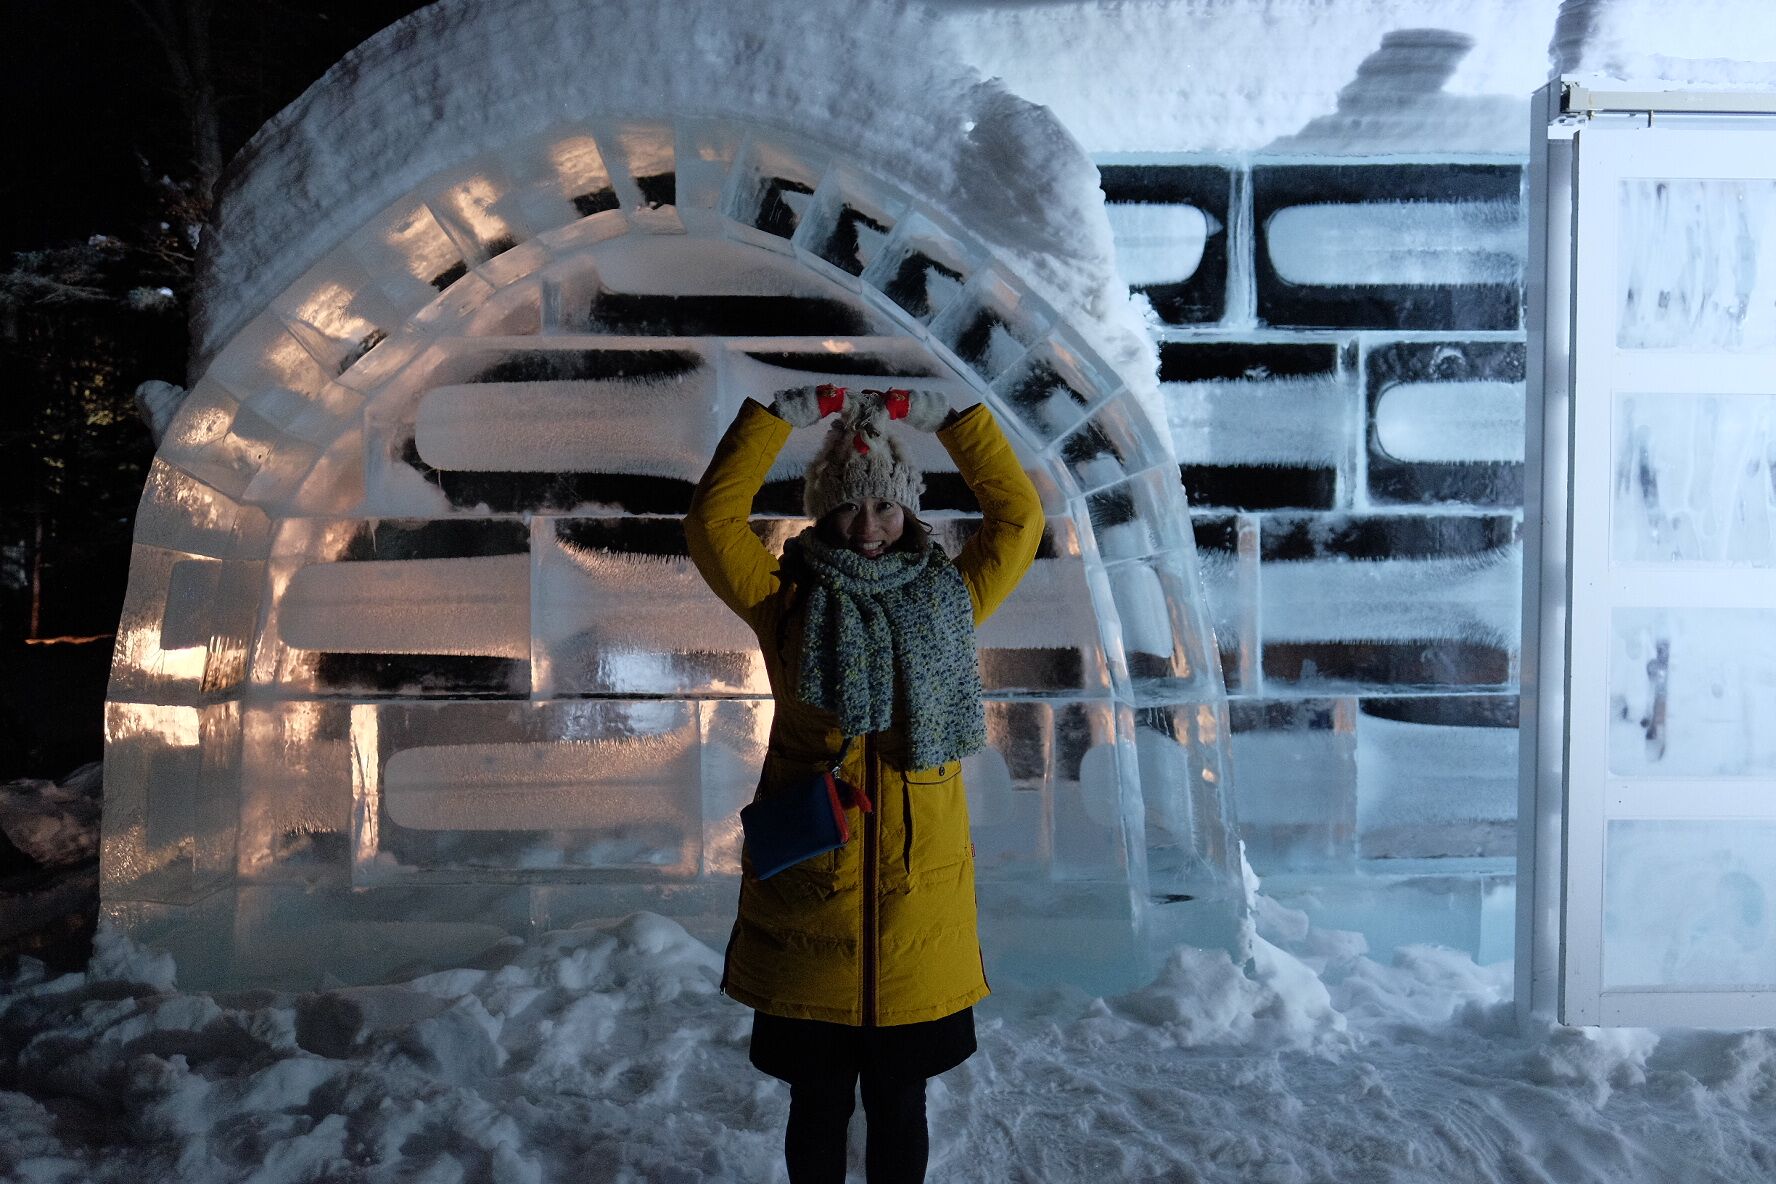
(859,460)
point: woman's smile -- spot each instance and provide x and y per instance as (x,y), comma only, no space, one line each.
(870,527)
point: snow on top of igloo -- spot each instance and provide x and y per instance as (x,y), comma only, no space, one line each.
(879,82)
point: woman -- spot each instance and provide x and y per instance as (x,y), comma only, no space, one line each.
(864,963)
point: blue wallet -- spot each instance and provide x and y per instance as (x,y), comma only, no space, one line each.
(803,821)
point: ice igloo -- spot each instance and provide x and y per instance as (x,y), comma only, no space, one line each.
(413,657)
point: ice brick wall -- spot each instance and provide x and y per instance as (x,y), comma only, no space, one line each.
(416,638)
(1342,361)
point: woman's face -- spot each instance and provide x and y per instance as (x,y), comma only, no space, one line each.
(870,527)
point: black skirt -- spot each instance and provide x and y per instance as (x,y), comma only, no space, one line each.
(792,1050)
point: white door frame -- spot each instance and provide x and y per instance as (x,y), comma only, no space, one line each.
(1584,143)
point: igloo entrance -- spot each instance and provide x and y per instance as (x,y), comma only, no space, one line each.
(413,656)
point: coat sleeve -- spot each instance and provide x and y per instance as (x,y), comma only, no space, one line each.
(996,558)
(735,564)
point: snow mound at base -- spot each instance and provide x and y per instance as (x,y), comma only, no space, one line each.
(608,1053)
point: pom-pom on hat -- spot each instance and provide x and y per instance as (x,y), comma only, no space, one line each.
(858,460)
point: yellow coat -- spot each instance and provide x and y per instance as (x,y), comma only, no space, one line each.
(882,930)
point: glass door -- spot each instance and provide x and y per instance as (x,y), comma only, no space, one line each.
(1667,909)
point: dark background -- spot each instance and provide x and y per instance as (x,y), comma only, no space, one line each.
(121,117)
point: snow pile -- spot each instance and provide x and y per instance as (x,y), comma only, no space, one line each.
(881,84)
(1719,45)
(49,868)
(1201,999)
(1369,77)
(1388,76)
(55,825)
(608,1054)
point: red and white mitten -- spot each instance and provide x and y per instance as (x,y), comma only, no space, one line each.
(807,405)
(921,409)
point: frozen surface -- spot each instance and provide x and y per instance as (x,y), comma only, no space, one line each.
(1427,242)
(1261,419)
(54,824)
(1718,931)
(1334,79)
(1692,692)
(1725,45)
(386,118)
(1159,244)
(1451,421)
(608,1054)
(1695,479)
(1697,264)
(1429,790)
(1378,77)
(1464,596)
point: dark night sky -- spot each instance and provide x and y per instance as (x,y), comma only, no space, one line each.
(87,89)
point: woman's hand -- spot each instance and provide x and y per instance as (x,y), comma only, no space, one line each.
(807,405)
(922,409)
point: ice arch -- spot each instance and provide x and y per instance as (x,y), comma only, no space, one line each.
(412,657)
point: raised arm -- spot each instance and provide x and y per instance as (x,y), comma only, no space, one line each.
(736,565)
(996,558)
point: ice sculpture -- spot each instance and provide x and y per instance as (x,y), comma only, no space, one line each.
(413,656)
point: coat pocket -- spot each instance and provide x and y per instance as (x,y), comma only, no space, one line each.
(935,806)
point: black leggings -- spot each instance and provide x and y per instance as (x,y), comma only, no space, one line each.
(820,1107)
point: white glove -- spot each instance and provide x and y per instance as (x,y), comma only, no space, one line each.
(921,409)
(804,406)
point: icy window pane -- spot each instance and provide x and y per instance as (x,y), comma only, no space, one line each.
(1437,777)
(295,789)
(922,270)
(1045,638)
(1164,659)
(1695,479)
(1227,564)
(477,605)
(1052,388)
(181,513)
(172,784)
(1008,786)
(579,167)
(1184,787)
(1129,521)
(1696,262)
(1399,242)
(735,732)
(1690,904)
(991,327)
(647,152)
(775,188)
(1451,421)
(1087,794)
(622,610)
(1109,447)
(504,791)
(1158,244)
(569,426)
(705,154)
(1693,692)
(1296,781)
(477,212)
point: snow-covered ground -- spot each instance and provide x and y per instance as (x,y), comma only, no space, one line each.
(607,1054)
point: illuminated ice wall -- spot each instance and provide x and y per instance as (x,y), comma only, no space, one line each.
(1326,207)
(413,656)
(475,310)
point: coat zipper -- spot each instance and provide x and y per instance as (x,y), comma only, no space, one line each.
(871,900)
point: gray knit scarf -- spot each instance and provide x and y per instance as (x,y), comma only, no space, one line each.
(891,634)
